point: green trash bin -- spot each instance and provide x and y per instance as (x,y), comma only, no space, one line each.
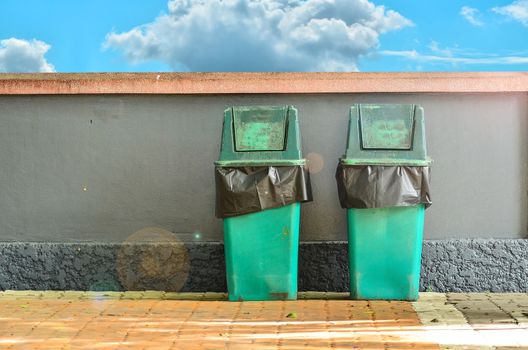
(261,179)
(383,182)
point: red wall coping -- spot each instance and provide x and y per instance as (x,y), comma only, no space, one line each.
(259,83)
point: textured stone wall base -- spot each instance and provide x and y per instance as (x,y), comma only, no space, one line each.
(447,265)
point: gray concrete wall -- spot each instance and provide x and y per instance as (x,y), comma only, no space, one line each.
(102,168)
(461,265)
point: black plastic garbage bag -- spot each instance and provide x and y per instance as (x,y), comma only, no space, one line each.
(249,189)
(380,186)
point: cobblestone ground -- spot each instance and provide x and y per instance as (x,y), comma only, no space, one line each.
(481,321)
(157,320)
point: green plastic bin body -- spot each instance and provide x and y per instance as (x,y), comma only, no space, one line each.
(385,244)
(385,249)
(261,248)
(261,252)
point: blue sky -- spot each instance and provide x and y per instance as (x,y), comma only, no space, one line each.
(263,35)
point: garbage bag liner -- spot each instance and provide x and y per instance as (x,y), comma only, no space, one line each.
(379,186)
(249,189)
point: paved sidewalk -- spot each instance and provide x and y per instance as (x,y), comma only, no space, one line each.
(157,320)
(482,321)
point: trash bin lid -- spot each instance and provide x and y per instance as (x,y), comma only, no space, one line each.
(386,127)
(260,135)
(391,134)
(259,129)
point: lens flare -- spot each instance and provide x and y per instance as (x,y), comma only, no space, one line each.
(153,259)
(315,162)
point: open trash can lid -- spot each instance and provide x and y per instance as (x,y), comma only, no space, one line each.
(386,134)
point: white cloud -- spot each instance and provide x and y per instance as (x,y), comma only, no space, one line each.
(457,56)
(259,35)
(18,56)
(470,14)
(435,47)
(416,56)
(518,10)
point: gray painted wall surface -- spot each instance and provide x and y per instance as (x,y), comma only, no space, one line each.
(102,168)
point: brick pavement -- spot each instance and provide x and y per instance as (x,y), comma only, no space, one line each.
(158,320)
